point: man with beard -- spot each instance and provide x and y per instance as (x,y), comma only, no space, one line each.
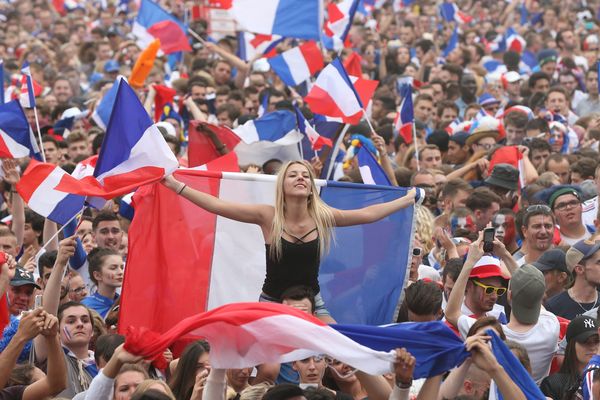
(537,231)
(504,223)
(458,151)
(583,261)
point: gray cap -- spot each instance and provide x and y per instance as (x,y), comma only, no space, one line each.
(505,176)
(580,251)
(527,286)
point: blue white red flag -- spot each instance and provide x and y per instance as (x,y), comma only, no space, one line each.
(370,170)
(16,137)
(359,286)
(298,64)
(277,126)
(293,19)
(340,17)
(154,22)
(316,141)
(403,123)
(101,114)
(333,94)
(452,43)
(450,13)
(27,90)
(37,187)
(251,44)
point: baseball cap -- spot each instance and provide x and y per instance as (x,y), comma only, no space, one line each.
(553,259)
(512,76)
(527,286)
(487,267)
(22,278)
(459,137)
(580,251)
(111,66)
(505,176)
(547,55)
(581,328)
(486,99)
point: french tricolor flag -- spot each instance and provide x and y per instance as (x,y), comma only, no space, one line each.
(333,94)
(370,170)
(37,187)
(16,137)
(153,22)
(250,45)
(29,88)
(294,19)
(296,65)
(316,141)
(450,13)
(278,127)
(134,151)
(403,123)
(286,334)
(514,41)
(201,271)
(340,17)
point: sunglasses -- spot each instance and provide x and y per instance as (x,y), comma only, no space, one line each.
(537,208)
(491,289)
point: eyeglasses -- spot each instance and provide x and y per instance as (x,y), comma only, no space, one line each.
(568,204)
(417,251)
(79,290)
(491,289)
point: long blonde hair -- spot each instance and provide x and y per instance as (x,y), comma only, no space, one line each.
(317,209)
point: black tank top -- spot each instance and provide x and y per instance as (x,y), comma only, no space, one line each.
(298,265)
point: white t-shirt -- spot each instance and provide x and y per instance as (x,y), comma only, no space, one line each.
(590,210)
(541,341)
(571,241)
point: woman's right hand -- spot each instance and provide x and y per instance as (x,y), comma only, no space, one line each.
(171,183)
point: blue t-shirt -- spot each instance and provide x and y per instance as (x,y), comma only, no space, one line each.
(99,303)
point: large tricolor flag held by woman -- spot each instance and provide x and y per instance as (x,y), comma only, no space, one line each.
(183,260)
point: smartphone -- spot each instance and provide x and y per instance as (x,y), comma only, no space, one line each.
(38,301)
(488,239)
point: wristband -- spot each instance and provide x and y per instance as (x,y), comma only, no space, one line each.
(402,385)
(181,190)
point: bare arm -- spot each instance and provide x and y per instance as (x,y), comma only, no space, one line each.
(531,174)
(386,164)
(12,176)
(375,385)
(430,388)
(30,325)
(51,295)
(55,380)
(149,102)
(373,213)
(454,382)
(250,213)
(192,107)
(455,300)
(50,229)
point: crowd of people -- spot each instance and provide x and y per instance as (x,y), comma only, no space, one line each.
(506,140)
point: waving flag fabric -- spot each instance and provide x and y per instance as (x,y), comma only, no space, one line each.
(403,123)
(370,170)
(37,187)
(133,152)
(101,114)
(514,41)
(1,81)
(28,90)
(334,95)
(352,64)
(294,19)
(201,148)
(450,13)
(247,334)
(296,65)
(154,22)
(164,95)
(16,137)
(201,270)
(340,17)
(277,126)
(250,44)
(316,141)
(435,346)
(452,43)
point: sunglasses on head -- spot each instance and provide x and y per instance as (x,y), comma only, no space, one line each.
(490,289)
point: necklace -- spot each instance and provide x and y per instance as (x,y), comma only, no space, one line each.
(582,307)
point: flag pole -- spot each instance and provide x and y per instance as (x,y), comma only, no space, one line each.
(39,132)
(414,131)
(336,149)
(58,232)
(368,121)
